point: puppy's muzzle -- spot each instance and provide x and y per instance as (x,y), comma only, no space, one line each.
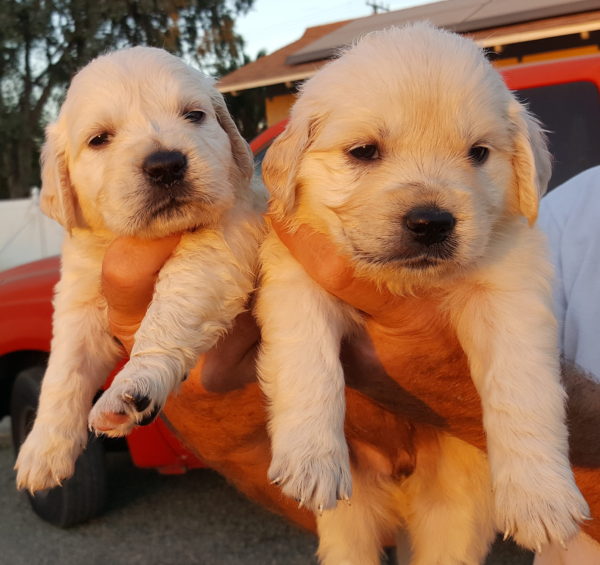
(165,168)
(429,225)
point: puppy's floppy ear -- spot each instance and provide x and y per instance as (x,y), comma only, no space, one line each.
(531,161)
(241,151)
(280,166)
(57,198)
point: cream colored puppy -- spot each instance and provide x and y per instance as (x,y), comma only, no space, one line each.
(143,146)
(411,153)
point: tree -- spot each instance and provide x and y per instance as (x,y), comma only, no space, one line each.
(248,106)
(44,42)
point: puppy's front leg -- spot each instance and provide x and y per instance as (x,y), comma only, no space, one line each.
(302,377)
(199,292)
(83,353)
(505,324)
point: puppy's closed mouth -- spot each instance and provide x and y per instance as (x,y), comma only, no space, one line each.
(167,207)
(421,263)
(434,256)
(170,204)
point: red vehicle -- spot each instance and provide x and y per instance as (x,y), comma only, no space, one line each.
(564,94)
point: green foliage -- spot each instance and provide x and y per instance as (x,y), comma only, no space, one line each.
(44,42)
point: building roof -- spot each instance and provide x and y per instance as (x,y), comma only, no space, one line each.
(457,15)
(273,69)
(489,22)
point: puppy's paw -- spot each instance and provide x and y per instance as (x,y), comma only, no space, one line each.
(123,406)
(316,478)
(539,511)
(46,459)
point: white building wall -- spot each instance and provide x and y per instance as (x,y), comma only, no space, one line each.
(26,234)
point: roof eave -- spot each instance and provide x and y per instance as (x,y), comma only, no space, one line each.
(489,41)
(269,81)
(534,35)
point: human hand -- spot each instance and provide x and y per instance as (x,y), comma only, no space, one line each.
(408,340)
(129,272)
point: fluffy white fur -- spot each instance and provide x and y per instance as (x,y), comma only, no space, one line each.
(119,110)
(424,98)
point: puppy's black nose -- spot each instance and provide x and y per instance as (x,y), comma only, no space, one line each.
(430,224)
(165,167)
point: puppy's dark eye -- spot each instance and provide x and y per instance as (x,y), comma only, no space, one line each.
(100,139)
(195,116)
(479,154)
(365,152)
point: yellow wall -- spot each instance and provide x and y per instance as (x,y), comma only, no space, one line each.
(563,53)
(278,107)
(506,62)
(549,55)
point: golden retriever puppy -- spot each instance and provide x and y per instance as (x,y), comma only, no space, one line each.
(143,146)
(413,156)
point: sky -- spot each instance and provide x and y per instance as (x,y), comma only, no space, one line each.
(271,24)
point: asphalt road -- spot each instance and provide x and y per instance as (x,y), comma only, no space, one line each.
(152,519)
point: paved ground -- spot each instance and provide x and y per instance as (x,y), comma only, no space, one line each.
(160,520)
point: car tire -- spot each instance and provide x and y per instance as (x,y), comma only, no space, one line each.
(83,495)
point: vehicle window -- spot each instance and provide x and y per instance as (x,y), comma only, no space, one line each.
(571,114)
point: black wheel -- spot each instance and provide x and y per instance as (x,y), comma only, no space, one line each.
(83,495)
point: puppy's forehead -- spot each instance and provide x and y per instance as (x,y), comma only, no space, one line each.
(409,79)
(134,79)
